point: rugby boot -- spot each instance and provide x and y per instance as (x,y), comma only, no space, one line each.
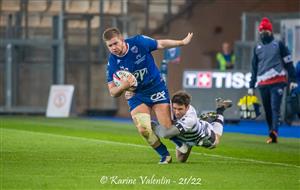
(273,137)
(222,103)
(165,160)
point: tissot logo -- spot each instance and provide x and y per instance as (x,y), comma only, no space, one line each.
(207,79)
(204,80)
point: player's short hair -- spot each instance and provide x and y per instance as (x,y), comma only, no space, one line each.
(109,33)
(181,98)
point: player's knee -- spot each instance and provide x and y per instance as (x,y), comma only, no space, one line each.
(142,131)
(143,123)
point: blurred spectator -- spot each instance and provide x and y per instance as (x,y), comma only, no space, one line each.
(298,76)
(292,104)
(272,65)
(226,58)
(297,90)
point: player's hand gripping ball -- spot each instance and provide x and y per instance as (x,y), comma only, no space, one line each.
(125,75)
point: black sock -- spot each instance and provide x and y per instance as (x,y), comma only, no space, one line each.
(220,110)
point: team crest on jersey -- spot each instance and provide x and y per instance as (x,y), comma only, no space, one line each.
(134,49)
(274,45)
(118,61)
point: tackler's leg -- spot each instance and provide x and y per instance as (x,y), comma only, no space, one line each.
(218,123)
(183,152)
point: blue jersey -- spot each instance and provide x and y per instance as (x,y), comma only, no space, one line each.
(138,60)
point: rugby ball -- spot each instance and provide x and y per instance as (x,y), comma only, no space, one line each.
(122,74)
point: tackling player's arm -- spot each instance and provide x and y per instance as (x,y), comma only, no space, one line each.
(186,122)
(162,44)
(164,132)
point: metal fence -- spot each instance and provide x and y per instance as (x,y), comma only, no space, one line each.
(45,42)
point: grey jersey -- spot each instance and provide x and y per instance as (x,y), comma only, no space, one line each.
(192,130)
(270,63)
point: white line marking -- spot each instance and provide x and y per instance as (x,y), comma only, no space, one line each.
(144,146)
(211,155)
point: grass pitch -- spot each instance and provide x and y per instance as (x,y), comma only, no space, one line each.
(40,153)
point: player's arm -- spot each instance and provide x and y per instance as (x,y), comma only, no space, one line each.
(185,123)
(167,43)
(254,70)
(288,62)
(116,91)
(164,132)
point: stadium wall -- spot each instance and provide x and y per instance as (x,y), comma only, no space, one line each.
(212,22)
(206,20)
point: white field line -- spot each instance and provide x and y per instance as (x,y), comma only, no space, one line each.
(144,146)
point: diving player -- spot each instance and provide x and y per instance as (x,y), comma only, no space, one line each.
(191,130)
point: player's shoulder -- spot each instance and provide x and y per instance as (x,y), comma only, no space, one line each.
(277,43)
(280,43)
(192,110)
(111,57)
(190,116)
(134,38)
(111,60)
(138,38)
(134,41)
(258,47)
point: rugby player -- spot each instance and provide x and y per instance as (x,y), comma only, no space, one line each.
(134,55)
(191,130)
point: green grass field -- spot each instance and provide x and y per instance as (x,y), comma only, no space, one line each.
(40,153)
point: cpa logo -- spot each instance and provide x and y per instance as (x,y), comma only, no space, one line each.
(204,80)
(134,49)
(139,74)
(158,96)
